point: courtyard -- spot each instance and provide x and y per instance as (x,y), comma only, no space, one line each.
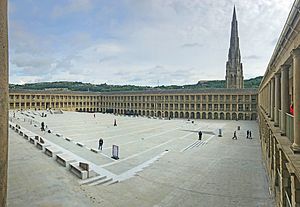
(161,162)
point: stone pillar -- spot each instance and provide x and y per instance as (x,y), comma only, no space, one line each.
(272,94)
(296,98)
(3,101)
(295,190)
(284,181)
(269,99)
(284,96)
(277,99)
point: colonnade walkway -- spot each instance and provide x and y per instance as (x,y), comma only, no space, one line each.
(215,171)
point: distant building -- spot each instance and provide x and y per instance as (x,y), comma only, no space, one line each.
(234,67)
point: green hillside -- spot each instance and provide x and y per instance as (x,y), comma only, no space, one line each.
(79,86)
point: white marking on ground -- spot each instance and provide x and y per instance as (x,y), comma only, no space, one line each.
(130,173)
(154,135)
(197,143)
(140,153)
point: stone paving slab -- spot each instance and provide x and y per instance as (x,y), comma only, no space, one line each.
(221,172)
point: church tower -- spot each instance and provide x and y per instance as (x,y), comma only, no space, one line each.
(234,67)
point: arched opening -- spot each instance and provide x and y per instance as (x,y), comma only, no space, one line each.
(234,117)
(209,115)
(159,114)
(203,115)
(253,116)
(152,113)
(198,115)
(171,114)
(216,115)
(241,116)
(192,115)
(181,115)
(187,115)
(166,114)
(176,114)
(222,116)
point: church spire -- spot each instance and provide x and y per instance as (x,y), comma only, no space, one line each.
(234,67)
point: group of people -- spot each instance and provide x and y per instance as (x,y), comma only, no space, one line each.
(249,135)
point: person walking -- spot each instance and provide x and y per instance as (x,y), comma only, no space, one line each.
(100,144)
(234,135)
(42,126)
(247,134)
(115,122)
(250,136)
(200,135)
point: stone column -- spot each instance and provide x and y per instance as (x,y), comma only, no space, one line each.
(272,94)
(269,99)
(277,99)
(284,178)
(296,85)
(295,190)
(3,102)
(284,96)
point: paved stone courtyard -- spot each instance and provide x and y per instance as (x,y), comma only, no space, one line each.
(162,162)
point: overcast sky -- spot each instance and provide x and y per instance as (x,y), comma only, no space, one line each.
(141,42)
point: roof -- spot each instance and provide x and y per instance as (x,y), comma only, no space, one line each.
(148,92)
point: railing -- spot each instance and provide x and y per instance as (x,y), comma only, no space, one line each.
(289,128)
(288,200)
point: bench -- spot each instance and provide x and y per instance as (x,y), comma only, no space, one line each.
(32,140)
(95,150)
(52,151)
(80,144)
(41,146)
(21,132)
(65,159)
(27,135)
(82,170)
(68,139)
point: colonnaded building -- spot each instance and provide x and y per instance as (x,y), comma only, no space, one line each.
(231,103)
(279,113)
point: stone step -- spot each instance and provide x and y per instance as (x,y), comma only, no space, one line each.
(101,182)
(111,182)
(93,179)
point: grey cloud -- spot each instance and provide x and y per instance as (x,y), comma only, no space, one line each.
(252,57)
(191,45)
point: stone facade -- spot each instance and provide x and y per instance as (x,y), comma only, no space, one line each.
(279,125)
(190,104)
(64,100)
(234,67)
(230,104)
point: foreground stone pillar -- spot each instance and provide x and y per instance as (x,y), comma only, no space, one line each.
(3,101)
(272,91)
(295,190)
(277,99)
(284,178)
(296,84)
(284,96)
